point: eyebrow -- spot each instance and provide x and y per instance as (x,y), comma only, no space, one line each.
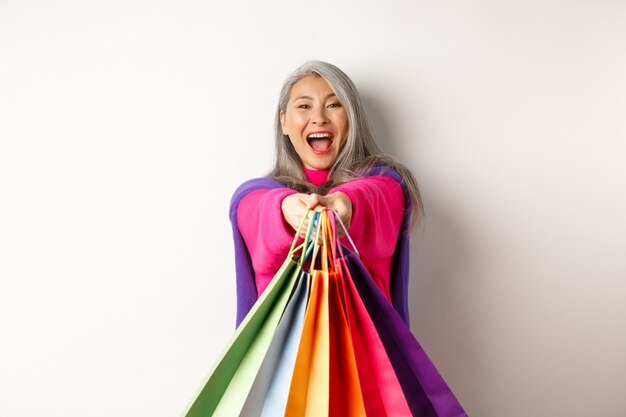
(329,95)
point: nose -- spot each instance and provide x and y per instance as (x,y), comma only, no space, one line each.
(319,116)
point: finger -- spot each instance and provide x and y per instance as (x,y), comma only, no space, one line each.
(304,219)
(314,200)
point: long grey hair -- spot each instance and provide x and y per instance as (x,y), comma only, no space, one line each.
(360,152)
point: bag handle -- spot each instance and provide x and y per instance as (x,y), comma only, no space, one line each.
(295,238)
(324,222)
(303,245)
(308,246)
(329,241)
(315,245)
(345,229)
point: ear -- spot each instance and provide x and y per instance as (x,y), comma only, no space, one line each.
(283,123)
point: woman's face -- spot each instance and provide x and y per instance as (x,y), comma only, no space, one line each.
(316,122)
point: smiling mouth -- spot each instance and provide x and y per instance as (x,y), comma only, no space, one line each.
(320,142)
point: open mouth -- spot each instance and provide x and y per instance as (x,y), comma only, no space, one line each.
(320,141)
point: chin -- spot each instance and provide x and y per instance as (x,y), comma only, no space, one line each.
(321,163)
(320,166)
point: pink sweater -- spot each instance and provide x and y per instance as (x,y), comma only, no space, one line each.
(377,210)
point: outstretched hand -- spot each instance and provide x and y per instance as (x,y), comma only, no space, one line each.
(294,206)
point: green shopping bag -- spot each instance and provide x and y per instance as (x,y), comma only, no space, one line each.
(269,393)
(225,389)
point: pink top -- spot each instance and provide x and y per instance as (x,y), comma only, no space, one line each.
(377,211)
(316,177)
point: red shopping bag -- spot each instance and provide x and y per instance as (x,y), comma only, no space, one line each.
(346,397)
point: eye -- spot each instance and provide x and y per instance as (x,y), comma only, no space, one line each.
(303,106)
(334,105)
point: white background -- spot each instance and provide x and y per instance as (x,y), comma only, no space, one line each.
(125,127)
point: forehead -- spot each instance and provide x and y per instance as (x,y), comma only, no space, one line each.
(311,86)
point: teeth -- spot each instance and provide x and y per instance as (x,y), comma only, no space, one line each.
(319,135)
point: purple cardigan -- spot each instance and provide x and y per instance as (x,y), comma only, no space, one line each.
(246,287)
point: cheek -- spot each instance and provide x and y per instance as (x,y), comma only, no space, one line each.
(342,121)
(297,121)
(342,144)
(344,139)
(297,144)
(294,142)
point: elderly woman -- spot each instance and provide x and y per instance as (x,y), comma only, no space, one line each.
(325,156)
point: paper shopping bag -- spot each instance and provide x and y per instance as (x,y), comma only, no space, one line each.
(346,398)
(224,391)
(309,391)
(426,392)
(269,393)
(382,393)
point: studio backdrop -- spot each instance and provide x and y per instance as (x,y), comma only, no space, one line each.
(126,126)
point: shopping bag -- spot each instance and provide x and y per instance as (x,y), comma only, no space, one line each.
(309,391)
(381,391)
(346,397)
(426,392)
(270,390)
(323,340)
(383,396)
(225,389)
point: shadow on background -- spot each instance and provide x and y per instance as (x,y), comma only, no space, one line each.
(442,317)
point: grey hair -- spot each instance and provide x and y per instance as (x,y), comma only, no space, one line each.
(359,153)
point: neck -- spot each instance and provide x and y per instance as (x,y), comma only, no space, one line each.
(316,177)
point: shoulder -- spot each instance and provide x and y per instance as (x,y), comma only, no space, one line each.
(380,175)
(255,184)
(388,172)
(252,185)
(385,170)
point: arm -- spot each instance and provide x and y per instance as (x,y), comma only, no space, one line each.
(376,214)
(266,234)
(374,209)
